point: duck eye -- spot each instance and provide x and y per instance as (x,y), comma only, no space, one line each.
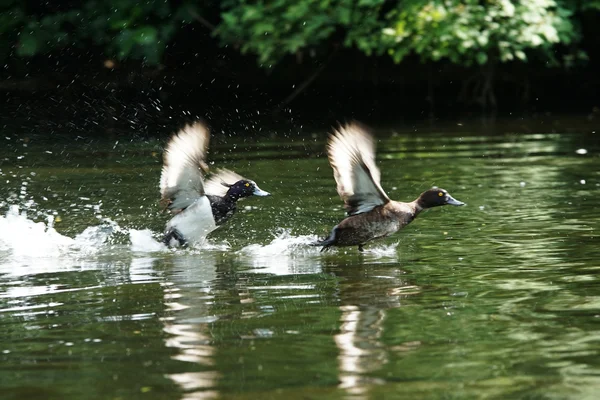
(440,194)
(247,185)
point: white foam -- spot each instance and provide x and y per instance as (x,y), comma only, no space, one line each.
(208,245)
(30,247)
(286,244)
(22,237)
(383,250)
(143,241)
(94,238)
(283,243)
(286,254)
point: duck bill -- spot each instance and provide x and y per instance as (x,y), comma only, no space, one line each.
(259,192)
(453,202)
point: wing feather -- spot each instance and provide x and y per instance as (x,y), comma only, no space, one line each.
(351,151)
(181,180)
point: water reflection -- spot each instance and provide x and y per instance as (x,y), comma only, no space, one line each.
(188,298)
(499,301)
(360,352)
(206,290)
(362,323)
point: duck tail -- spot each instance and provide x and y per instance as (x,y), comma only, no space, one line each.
(327,242)
(174,238)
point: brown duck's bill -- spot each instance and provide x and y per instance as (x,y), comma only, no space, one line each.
(453,202)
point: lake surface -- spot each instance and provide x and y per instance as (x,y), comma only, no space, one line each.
(499,299)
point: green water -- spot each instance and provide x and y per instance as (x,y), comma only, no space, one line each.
(496,300)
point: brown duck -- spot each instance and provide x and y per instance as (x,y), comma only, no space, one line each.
(370,212)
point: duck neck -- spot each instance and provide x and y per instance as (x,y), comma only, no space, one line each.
(232,196)
(418,206)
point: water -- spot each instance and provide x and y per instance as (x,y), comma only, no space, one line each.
(499,299)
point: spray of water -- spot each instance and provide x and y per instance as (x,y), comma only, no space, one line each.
(25,243)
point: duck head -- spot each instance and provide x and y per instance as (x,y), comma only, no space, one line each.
(437,197)
(245,188)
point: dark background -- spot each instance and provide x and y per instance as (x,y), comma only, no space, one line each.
(73,90)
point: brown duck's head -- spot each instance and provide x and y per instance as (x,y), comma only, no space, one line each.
(437,197)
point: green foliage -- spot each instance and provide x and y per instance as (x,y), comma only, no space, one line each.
(272,29)
(128,28)
(465,32)
(124,28)
(462,31)
(473,31)
(590,5)
(48,32)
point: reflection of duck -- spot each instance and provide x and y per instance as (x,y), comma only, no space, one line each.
(189,313)
(362,353)
(199,207)
(371,213)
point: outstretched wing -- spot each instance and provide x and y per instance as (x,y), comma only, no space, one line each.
(218,183)
(181,181)
(351,151)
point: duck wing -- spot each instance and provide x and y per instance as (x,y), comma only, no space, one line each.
(218,183)
(181,180)
(351,151)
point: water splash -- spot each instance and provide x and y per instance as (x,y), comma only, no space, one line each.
(29,247)
(23,237)
(144,241)
(383,250)
(94,238)
(284,244)
(285,255)
(17,234)
(27,243)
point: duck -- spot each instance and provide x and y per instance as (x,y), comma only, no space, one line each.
(370,213)
(198,206)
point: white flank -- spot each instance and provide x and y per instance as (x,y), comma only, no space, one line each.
(195,222)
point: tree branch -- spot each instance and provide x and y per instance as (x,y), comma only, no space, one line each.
(306,82)
(201,19)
